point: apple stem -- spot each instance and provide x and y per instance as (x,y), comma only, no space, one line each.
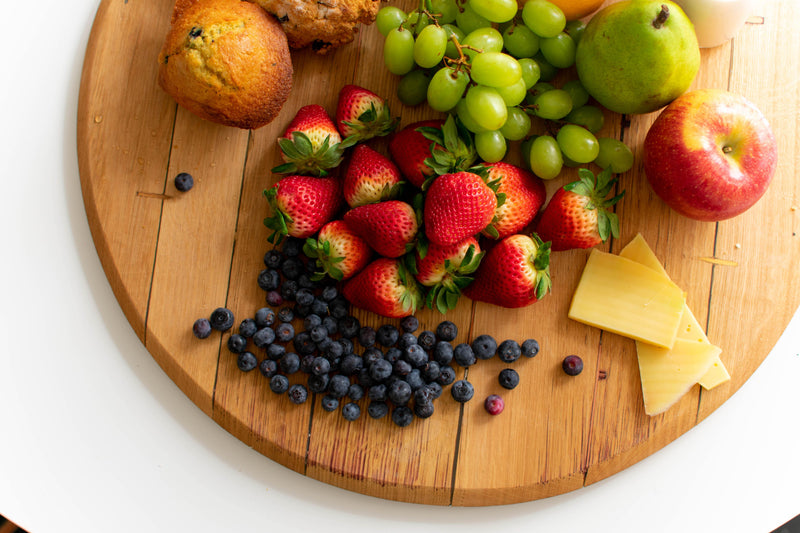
(662,17)
(727,149)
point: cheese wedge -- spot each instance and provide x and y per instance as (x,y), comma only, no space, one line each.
(638,250)
(622,296)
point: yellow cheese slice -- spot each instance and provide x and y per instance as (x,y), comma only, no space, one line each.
(627,298)
(669,374)
(638,250)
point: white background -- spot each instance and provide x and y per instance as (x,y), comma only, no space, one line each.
(95,438)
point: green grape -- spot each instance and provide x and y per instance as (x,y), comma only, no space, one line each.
(466,118)
(614,154)
(491,146)
(446,88)
(520,41)
(545,158)
(530,71)
(547,71)
(578,143)
(495,69)
(537,89)
(413,88)
(416,22)
(589,116)
(513,94)
(482,40)
(553,105)
(543,18)
(468,20)
(430,46)
(451,50)
(486,106)
(559,51)
(517,125)
(389,18)
(569,162)
(495,10)
(398,51)
(444,10)
(575,29)
(525,150)
(579,95)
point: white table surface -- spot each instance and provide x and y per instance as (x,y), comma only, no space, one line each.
(95,438)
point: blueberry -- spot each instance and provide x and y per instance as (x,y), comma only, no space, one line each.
(462,391)
(302,311)
(414,379)
(273,258)
(446,376)
(364,379)
(275,351)
(303,343)
(387,335)
(221,319)
(298,394)
(329,293)
(351,411)
(484,346)
(274,298)
(351,364)
(304,297)
(434,389)
(318,333)
(399,392)
(285,314)
(494,404)
(415,355)
(393,355)
(268,368)
(530,348)
(289,363)
(292,246)
(318,384)
(426,339)
(406,340)
(409,324)
(355,392)
(331,324)
(446,331)
(264,337)
(237,343)
(269,279)
(333,350)
(572,365)
(443,353)
(347,345)
(401,367)
(366,336)
(430,372)
(329,403)
(338,308)
(423,409)
(246,361)
(377,392)
(248,328)
(279,383)
(311,321)
(402,416)
(380,370)
(509,351)
(307,364)
(264,317)
(288,290)
(319,307)
(305,282)
(377,410)
(338,386)
(284,332)
(320,365)
(371,355)
(201,328)
(349,326)
(508,378)
(464,355)
(184,181)
(291,268)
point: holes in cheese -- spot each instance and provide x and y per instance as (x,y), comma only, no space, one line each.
(622,296)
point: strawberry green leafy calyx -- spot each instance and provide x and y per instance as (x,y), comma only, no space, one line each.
(446,270)
(361,115)
(384,287)
(452,149)
(410,150)
(523,192)
(301,205)
(311,144)
(338,251)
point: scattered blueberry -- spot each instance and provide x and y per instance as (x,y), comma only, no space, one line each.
(274,298)
(320,365)
(292,246)
(423,409)
(387,335)
(264,337)
(329,403)
(509,351)
(484,346)
(393,354)
(269,279)
(184,181)
(402,416)
(347,345)
(401,367)
(355,392)
(319,307)
(279,383)
(318,384)
(329,293)
(494,404)
(434,389)
(377,409)
(446,376)
(304,297)
(443,353)
(289,363)
(430,371)
(221,319)
(409,324)
(380,370)
(508,378)
(303,344)
(371,355)
(530,348)
(377,392)
(333,350)
(273,258)
(426,339)
(349,326)
(311,321)
(464,355)
(248,328)
(415,355)
(291,268)
(268,368)
(414,379)
(331,324)
(572,365)
(462,391)
(275,351)
(351,364)
(201,328)
(406,340)
(318,333)
(298,394)
(284,332)
(338,386)
(366,336)
(446,331)
(237,343)
(399,392)
(246,361)
(307,364)
(285,314)
(351,411)
(338,308)
(264,317)
(288,290)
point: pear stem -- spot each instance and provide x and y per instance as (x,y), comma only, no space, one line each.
(662,17)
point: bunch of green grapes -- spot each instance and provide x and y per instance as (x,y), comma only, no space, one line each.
(492,64)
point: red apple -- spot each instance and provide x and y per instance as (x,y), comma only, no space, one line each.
(710,155)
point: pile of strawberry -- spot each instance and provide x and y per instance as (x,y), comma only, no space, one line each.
(407,230)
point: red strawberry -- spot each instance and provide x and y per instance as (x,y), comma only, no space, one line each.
(390,228)
(370,178)
(514,273)
(301,205)
(339,252)
(384,287)
(457,206)
(310,144)
(409,149)
(524,196)
(446,270)
(579,214)
(362,114)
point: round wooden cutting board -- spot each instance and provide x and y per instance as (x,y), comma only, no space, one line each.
(172,257)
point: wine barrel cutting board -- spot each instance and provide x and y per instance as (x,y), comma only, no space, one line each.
(172,257)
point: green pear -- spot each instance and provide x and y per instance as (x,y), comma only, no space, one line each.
(637,56)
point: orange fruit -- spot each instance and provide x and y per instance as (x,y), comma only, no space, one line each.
(576,9)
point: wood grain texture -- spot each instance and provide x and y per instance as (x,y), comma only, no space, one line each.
(171,257)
